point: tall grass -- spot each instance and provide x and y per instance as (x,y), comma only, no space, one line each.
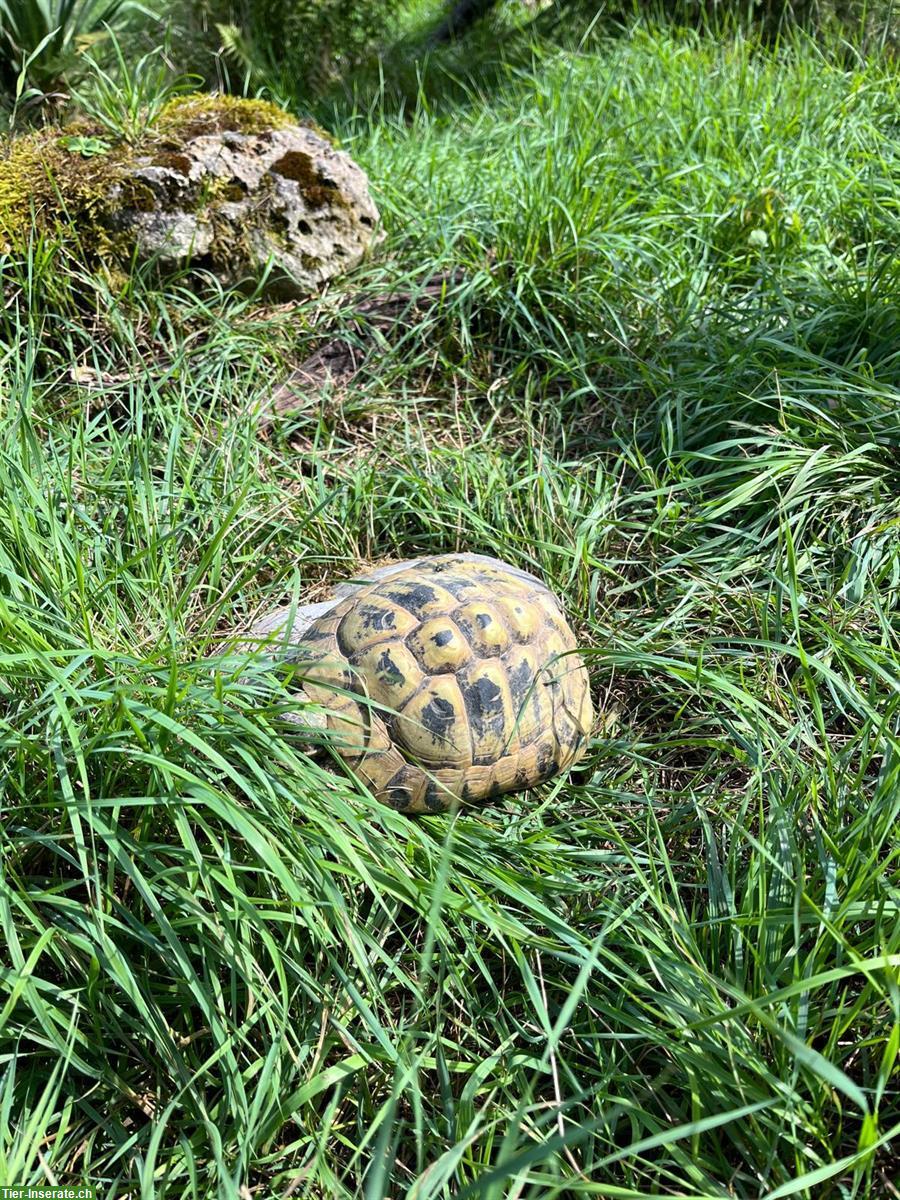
(227,971)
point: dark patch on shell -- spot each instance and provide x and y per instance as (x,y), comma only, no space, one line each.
(520,680)
(484,705)
(546,763)
(521,636)
(484,701)
(565,731)
(316,633)
(438,717)
(388,670)
(396,795)
(436,798)
(461,589)
(413,597)
(373,617)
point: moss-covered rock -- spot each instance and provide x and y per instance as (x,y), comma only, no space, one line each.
(236,186)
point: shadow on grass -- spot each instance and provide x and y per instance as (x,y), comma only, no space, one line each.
(486,59)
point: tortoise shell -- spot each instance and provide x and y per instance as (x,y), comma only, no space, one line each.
(449,680)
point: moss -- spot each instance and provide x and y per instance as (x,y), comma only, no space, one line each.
(317,191)
(186,117)
(136,195)
(201,112)
(233,191)
(173,161)
(61,188)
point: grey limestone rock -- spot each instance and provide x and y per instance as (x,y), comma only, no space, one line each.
(283,201)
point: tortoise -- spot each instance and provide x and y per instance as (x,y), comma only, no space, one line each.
(444,680)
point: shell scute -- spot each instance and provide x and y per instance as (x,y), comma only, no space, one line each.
(348,722)
(529,713)
(371,620)
(405,790)
(488,708)
(523,619)
(433,725)
(484,627)
(390,673)
(325,672)
(440,645)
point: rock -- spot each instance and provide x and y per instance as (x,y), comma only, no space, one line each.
(281,199)
(235,186)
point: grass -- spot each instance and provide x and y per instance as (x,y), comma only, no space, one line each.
(227,972)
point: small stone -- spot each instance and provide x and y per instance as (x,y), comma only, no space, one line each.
(239,204)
